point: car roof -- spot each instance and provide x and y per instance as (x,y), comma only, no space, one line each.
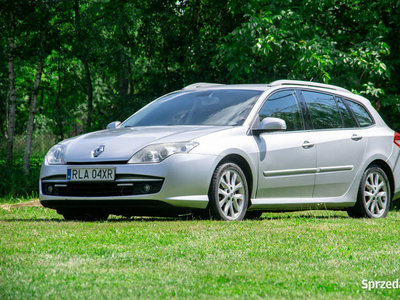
(279,83)
(207,86)
(201,85)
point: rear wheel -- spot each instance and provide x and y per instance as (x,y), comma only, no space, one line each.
(373,200)
(228,193)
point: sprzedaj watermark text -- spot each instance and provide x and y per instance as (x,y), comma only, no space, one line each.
(375,284)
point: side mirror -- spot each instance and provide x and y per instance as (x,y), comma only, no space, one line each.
(113,125)
(270,125)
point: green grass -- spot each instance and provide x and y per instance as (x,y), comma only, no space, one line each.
(318,255)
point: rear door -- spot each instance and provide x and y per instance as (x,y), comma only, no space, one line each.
(340,143)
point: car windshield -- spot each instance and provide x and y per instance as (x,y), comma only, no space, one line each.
(225,107)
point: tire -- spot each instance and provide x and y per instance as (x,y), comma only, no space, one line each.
(374,196)
(228,194)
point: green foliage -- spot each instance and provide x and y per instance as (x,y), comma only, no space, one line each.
(137,51)
(306,40)
(347,43)
(14,183)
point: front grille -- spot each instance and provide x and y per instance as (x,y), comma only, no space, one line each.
(117,162)
(101,189)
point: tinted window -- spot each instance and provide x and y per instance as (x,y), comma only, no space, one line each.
(323,110)
(361,114)
(213,107)
(283,105)
(348,121)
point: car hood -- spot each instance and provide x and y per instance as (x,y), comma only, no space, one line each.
(121,143)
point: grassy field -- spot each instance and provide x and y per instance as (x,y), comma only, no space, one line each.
(317,255)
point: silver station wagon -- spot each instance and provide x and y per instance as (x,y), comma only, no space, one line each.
(230,152)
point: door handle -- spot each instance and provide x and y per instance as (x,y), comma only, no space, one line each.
(307,145)
(356,137)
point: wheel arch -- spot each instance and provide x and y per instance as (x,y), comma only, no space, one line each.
(245,166)
(388,171)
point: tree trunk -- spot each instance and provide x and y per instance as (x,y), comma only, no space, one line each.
(58,106)
(32,107)
(32,111)
(85,64)
(89,94)
(41,102)
(11,108)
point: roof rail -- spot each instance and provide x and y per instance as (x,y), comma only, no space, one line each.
(308,83)
(200,85)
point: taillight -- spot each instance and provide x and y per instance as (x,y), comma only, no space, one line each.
(396,139)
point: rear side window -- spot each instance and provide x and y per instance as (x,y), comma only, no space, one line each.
(361,114)
(323,110)
(348,121)
(283,105)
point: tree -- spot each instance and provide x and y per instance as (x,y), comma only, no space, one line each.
(83,56)
(12,94)
(32,108)
(354,44)
(106,59)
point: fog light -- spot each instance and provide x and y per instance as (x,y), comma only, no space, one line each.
(146,188)
(50,189)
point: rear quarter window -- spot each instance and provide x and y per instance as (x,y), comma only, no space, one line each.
(360,112)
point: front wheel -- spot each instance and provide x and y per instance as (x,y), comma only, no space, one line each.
(228,193)
(373,200)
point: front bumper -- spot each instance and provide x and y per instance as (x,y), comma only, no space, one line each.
(183,182)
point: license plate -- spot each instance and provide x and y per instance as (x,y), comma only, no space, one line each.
(91,174)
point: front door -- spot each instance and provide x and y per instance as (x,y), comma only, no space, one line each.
(287,164)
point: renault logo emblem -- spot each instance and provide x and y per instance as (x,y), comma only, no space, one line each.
(96,152)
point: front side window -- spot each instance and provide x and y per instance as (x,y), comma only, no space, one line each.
(361,114)
(214,107)
(283,105)
(323,110)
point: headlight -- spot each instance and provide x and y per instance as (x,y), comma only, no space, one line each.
(55,156)
(158,152)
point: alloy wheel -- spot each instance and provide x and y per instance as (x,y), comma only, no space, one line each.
(231,194)
(376,194)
